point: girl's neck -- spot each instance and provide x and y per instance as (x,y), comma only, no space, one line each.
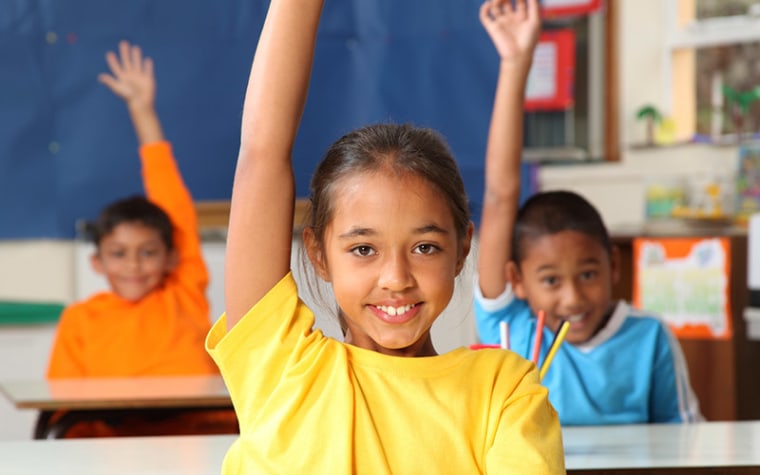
(423,347)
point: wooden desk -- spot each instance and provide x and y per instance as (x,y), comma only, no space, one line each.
(713,448)
(93,397)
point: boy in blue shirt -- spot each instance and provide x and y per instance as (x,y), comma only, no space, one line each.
(617,365)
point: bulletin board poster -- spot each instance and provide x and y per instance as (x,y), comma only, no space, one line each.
(748,182)
(552,76)
(686,282)
(563,8)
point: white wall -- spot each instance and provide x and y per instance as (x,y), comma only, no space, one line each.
(36,270)
(24,351)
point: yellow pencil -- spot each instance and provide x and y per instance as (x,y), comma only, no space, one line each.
(558,339)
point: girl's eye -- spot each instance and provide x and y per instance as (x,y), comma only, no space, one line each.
(363,251)
(588,275)
(426,249)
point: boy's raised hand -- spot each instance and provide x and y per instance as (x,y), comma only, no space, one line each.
(131,76)
(513,29)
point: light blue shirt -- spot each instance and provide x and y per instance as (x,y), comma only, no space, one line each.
(632,371)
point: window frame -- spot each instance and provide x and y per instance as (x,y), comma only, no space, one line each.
(603,109)
(684,35)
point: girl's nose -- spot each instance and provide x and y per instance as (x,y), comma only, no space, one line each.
(395,273)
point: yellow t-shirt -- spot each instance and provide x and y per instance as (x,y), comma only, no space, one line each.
(307,403)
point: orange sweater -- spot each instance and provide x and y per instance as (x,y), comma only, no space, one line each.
(163,333)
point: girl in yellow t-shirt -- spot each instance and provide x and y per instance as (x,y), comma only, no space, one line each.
(390,231)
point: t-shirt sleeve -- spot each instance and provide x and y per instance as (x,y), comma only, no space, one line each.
(258,351)
(528,438)
(164,186)
(489,313)
(673,399)
(66,354)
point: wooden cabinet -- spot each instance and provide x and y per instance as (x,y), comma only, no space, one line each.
(725,374)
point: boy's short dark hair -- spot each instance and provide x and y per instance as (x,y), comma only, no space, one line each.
(552,212)
(134,209)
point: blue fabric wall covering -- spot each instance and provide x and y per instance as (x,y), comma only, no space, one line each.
(67,146)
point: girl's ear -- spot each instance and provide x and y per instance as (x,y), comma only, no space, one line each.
(516,280)
(96,263)
(315,253)
(465,249)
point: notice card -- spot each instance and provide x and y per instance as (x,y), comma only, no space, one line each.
(686,282)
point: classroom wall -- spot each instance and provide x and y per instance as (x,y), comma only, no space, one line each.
(45,270)
(42,269)
(618,189)
(67,146)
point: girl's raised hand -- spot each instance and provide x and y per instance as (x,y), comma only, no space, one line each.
(131,76)
(513,29)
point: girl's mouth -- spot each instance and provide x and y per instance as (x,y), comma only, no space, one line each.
(395,314)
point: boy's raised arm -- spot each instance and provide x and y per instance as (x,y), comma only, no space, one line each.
(514,32)
(261,216)
(132,79)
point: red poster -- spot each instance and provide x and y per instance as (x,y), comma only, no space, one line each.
(552,75)
(563,8)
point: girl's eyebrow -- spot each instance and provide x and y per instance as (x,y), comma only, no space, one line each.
(357,232)
(364,232)
(431,228)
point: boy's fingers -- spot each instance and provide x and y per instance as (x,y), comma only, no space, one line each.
(534,9)
(520,7)
(485,12)
(108,80)
(124,52)
(148,66)
(136,57)
(113,63)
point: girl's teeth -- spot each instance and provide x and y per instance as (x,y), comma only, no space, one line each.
(575,318)
(394,311)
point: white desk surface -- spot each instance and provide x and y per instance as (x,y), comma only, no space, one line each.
(171,455)
(118,393)
(692,448)
(699,445)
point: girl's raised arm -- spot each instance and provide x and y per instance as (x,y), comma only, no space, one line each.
(261,216)
(514,32)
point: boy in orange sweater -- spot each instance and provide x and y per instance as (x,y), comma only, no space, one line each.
(155,318)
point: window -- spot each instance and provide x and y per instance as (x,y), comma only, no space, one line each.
(714,61)
(589,129)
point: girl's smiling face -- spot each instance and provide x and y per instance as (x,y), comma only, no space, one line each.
(392,253)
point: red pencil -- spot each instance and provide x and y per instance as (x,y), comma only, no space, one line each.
(539,334)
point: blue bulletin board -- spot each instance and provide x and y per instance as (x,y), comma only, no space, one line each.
(67,146)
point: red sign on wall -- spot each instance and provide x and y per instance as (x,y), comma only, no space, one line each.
(560,8)
(552,75)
